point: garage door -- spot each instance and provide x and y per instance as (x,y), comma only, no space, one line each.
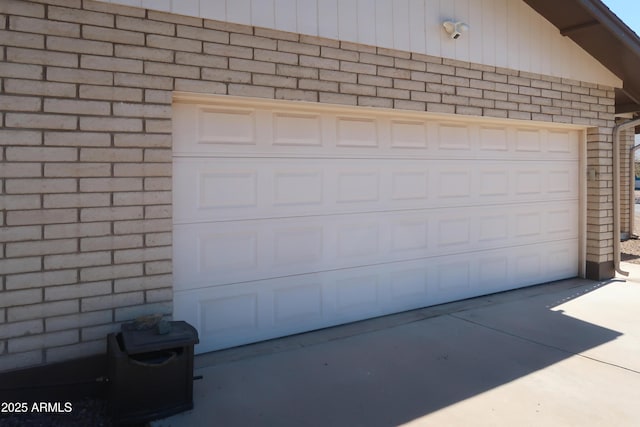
(290,217)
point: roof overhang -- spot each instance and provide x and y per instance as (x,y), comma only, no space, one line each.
(591,25)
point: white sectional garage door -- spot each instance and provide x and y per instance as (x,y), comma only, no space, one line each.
(290,217)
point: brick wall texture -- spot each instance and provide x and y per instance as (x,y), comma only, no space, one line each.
(85,146)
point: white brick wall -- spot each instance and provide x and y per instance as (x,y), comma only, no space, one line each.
(85,147)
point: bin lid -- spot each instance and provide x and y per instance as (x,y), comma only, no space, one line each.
(137,341)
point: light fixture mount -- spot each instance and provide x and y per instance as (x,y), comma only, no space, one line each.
(455,29)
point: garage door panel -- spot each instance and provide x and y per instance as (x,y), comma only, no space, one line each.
(312,131)
(236,189)
(241,251)
(252,311)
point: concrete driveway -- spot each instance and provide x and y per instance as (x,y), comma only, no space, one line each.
(560,354)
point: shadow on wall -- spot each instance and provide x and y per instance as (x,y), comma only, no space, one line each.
(393,376)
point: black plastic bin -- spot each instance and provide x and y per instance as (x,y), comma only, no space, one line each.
(150,375)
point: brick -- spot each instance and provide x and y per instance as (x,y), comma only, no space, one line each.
(66,44)
(396,73)
(142,226)
(171,17)
(41,247)
(338,76)
(111,272)
(125,256)
(20,137)
(52,201)
(158,239)
(78,170)
(201,60)
(41,216)
(80,290)
(13,38)
(22,71)
(22,360)
(143,81)
(355,67)
(72,75)
(357,89)
(111,213)
(142,140)
(80,16)
(55,262)
(276,81)
(42,341)
(158,267)
(19,103)
(159,155)
(111,242)
(77,320)
(162,69)
(295,71)
(44,26)
(143,283)
(227,26)
(275,34)
(70,352)
(145,169)
(77,139)
(41,57)
(77,107)
(224,50)
(320,41)
(203,34)
(21,297)
(318,85)
(372,101)
(226,75)
(43,121)
(111,64)
(251,90)
(33,87)
(16,234)
(158,96)
(19,202)
(113,35)
(19,7)
(337,98)
(252,41)
(20,265)
(145,25)
(410,64)
(157,184)
(315,62)
(275,56)
(341,54)
(110,124)
(380,50)
(110,184)
(99,332)
(145,53)
(142,110)
(441,108)
(409,84)
(19,329)
(41,154)
(142,198)
(393,93)
(201,86)
(252,66)
(443,69)
(41,311)
(438,88)
(110,93)
(174,43)
(20,170)
(159,295)
(77,230)
(367,58)
(110,155)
